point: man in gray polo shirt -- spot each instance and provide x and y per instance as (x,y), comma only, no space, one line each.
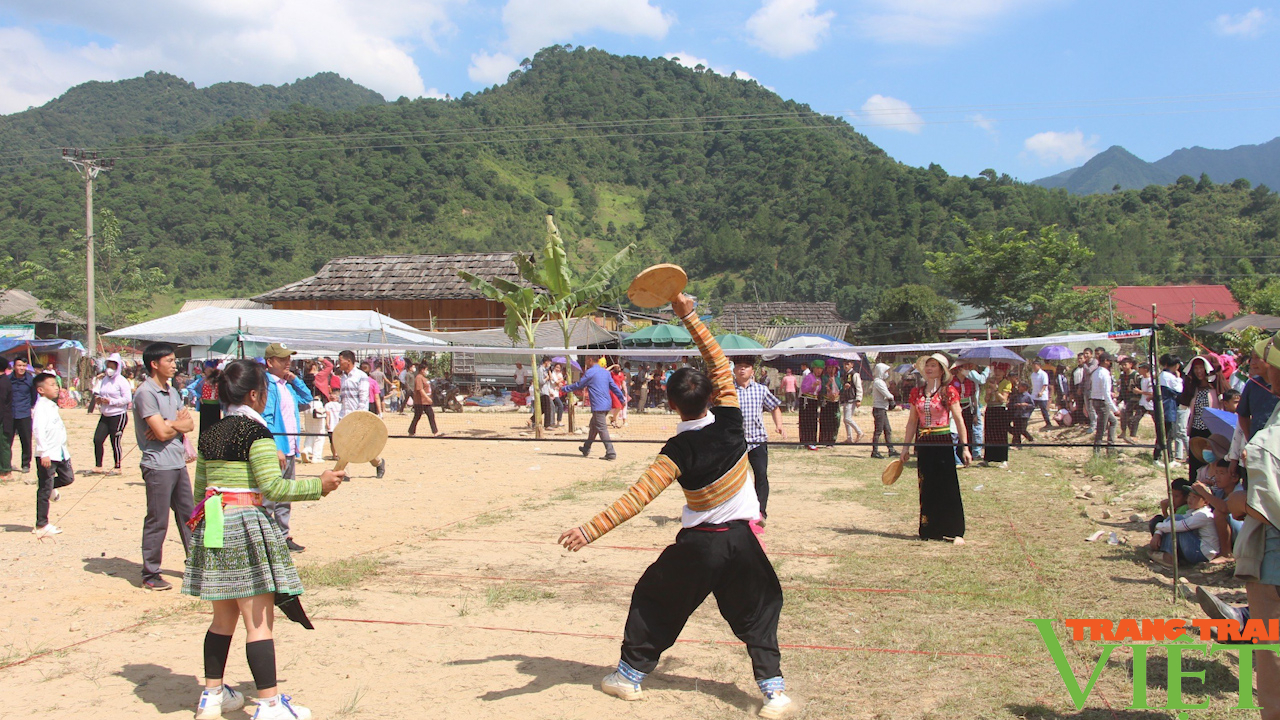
(160,421)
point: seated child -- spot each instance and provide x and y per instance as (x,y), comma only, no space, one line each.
(1179,489)
(1220,480)
(1197,535)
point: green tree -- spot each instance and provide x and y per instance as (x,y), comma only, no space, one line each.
(566,303)
(526,307)
(1009,273)
(908,313)
(124,281)
(1087,309)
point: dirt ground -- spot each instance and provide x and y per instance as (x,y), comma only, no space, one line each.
(440,591)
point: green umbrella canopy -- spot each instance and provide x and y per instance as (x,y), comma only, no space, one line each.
(229,345)
(730,341)
(659,336)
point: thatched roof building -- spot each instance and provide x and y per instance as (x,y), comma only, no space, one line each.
(421,290)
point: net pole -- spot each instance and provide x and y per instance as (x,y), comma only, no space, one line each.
(1163,435)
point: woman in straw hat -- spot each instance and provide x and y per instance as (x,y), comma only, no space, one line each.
(934,405)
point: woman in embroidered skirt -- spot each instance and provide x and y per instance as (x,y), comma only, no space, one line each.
(238,558)
(934,406)
(999,419)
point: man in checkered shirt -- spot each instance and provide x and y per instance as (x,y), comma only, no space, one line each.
(755,398)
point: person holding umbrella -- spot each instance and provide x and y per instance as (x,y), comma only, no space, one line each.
(934,405)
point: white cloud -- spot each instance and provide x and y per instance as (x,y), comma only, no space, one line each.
(983,122)
(891,113)
(934,22)
(1248,25)
(690,60)
(208,41)
(534,24)
(1061,147)
(784,28)
(491,69)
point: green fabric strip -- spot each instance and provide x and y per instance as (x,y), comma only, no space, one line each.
(213,522)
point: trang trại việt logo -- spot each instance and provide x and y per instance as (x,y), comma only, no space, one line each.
(1176,637)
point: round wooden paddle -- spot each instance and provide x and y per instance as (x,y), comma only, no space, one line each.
(657,285)
(359,437)
(892,472)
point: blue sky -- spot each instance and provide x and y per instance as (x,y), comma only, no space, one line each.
(1028,87)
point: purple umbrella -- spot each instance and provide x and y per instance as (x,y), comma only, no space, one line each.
(1055,352)
(573,363)
(1221,422)
(988,355)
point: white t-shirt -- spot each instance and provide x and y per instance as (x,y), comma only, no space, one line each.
(1147,402)
(1040,385)
(332,414)
(744,505)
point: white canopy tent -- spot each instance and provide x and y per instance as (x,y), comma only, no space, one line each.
(329,329)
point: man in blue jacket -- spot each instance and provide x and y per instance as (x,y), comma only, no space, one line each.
(285,392)
(599,384)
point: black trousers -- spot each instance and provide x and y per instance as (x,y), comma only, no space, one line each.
(759,459)
(22,429)
(109,427)
(418,410)
(828,422)
(58,474)
(727,562)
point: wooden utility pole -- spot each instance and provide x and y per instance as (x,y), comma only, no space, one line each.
(88,164)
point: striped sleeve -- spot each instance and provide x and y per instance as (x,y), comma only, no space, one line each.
(726,392)
(264,464)
(657,478)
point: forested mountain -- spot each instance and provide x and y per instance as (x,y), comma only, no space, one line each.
(1259,164)
(98,113)
(757,196)
(1104,171)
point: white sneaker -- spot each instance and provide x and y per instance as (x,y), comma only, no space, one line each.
(55,495)
(616,685)
(213,703)
(1004,465)
(775,705)
(47,531)
(282,709)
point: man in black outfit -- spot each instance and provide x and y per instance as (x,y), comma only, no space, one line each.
(23,398)
(6,419)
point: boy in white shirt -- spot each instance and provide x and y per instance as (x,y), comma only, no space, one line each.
(1197,535)
(332,414)
(49,435)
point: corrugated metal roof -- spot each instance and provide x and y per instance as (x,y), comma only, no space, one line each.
(778,333)
(228,303)
(750,317)
(398,277)
(1174,303)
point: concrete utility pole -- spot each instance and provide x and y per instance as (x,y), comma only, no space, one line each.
(89,165)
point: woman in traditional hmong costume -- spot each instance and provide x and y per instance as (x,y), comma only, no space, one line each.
(934,405)
(239,561)
(811,392)
(999,419)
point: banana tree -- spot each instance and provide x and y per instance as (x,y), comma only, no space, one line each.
(526,308)
(567,304)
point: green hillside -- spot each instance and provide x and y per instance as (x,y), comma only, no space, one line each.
(98,113)
(757,196)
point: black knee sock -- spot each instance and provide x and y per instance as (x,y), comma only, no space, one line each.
(262,662)
(216,649)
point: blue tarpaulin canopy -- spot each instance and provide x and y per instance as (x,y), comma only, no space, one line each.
(19,345)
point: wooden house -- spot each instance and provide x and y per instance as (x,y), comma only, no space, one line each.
(421,290)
